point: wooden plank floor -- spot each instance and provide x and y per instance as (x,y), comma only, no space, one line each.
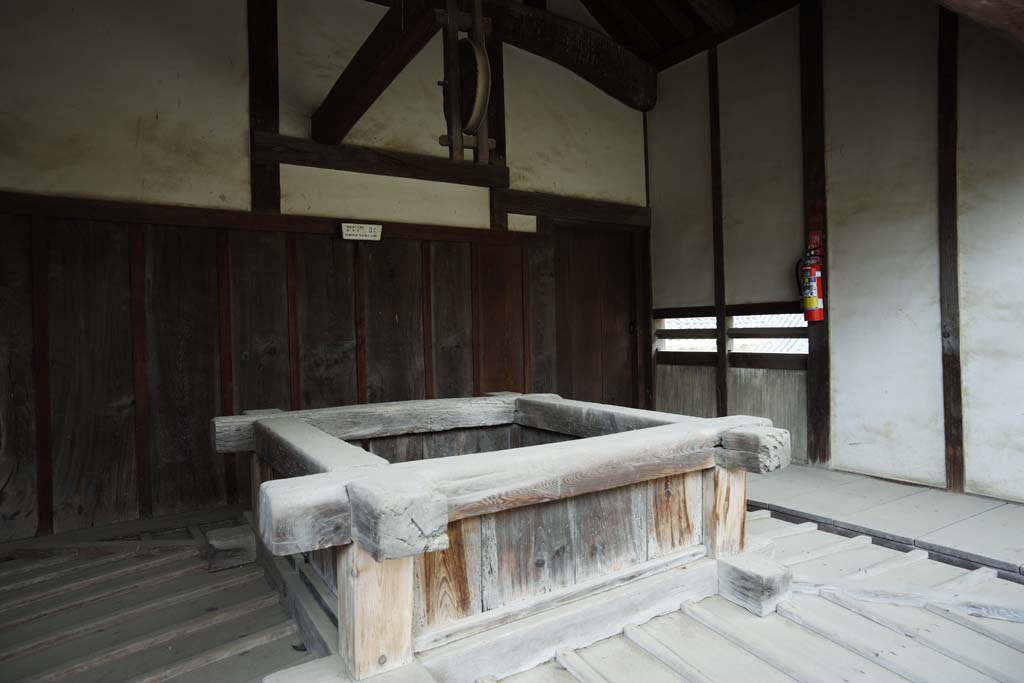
(814,639)
(137,603)
(975,530)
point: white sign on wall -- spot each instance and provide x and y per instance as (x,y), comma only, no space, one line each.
(361,231)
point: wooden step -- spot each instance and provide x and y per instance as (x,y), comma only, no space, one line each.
(16,567)
(793,650)
(129,646)
(870,640)
(121,614)
(101,591)
(977,651)
(663,654)
(60,571)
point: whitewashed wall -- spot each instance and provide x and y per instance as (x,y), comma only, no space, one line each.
(762,163)
(991,230)
(125,100)
(881,150)
(679,158)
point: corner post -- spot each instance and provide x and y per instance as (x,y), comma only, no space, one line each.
(725,511)
(375,611)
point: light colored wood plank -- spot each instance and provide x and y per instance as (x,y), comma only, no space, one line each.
(448,582)
(791,530)
(293,447)
(754,582)
(549,672)
(793,650)
(371,421)
(711,654)
(675,513)
(831,548)
(525,643)
(578,667)
(619,660)
(608,530)
(375,611)
(968,647)
(758,514)
(895,652)
(663,654)
(889,564)
(725,510)
(332,670)
(437,637)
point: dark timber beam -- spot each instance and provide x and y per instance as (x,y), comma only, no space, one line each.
(282,149)
(1005,15)
(622,25)
(949,265)
(761,11)
(720,15)
(589,54)
(401,34)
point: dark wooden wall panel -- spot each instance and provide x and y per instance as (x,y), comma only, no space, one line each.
(91,373)
(394,321)
(182,343)
(327,328)
(499,313)
(452,324)
(584,312)
(259,329)
(618,357)
(543,316)
(18,501)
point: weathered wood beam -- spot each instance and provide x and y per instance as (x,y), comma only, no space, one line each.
(397,514)
(725,511)
(677,17)
(570,208)
(760,12)
(622,25)
(1004,15)
(400,35)
(754,581)
(294,448)
(720,15)
(302,514)
(271,147)
(589,54)
(351,423)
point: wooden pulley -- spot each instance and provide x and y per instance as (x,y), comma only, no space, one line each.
(475,70)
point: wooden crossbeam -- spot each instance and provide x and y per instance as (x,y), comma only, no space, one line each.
(400,35)
(720,15)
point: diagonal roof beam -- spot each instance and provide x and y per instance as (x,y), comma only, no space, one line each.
(401,34)
(720,15)
(623,26)
(1005,15)
(589,54)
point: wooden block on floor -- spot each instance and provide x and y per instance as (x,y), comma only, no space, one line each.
(754,582)
(230,547)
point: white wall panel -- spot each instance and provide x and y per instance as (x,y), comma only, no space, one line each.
(880,126)
(679,153)
(991,230)
(762,163)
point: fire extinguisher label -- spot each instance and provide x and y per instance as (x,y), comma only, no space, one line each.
(809,290)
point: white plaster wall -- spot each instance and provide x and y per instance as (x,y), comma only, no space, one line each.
(564,136)
(125,100)
(880,104)
(679,153)
(762,163)
(991,231)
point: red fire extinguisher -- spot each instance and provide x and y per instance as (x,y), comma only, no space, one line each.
(811,280)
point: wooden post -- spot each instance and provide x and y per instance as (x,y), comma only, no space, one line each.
(374,611)
(725,511)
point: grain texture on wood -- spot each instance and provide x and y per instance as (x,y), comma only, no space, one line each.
(399,448)
(499,314)
(259,327)
(609,530)
(725,511)
(448,582)
(327,333)
(394,321)
(452,323)
(466,441)
(293,448)
(526,552)
(18,499)
(543,311)
(675,513)
(302,514)
(754,582)
(375,611)
(93,420)
(182,334)
(543,602)
(354,423)
(397,514)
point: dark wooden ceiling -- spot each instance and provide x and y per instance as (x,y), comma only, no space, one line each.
(665,32)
